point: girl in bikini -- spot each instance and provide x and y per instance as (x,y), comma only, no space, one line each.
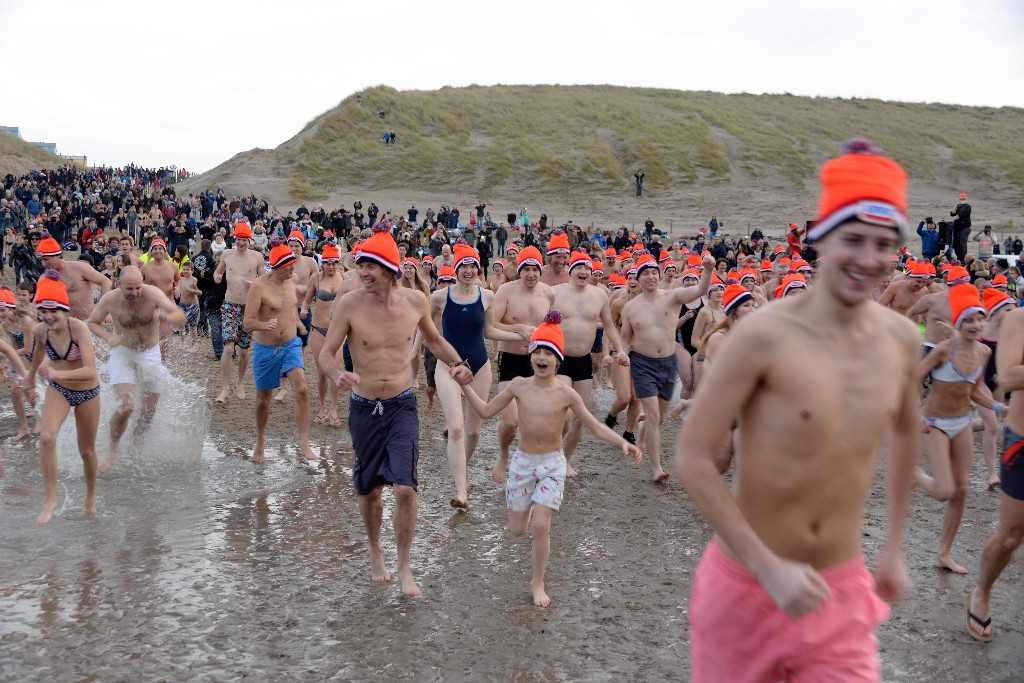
(73,384)
(956,366)
(323,290)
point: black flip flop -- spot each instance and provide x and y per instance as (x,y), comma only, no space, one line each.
(984,623)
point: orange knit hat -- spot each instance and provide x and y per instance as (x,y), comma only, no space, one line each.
(610,252)
(735,295)
(330,254)
(529,257)
(999,281)
(559,243)
(957,275)
(920,271)
(716,282)
(644,262)
(157,242)
(580,258)
(993,298)
(964,301)
(296,236)
(863,185)
(670,265)
(549,335)
(595,266)
(48,246)
(243,231)
(51,292)
(280,255)
(381,249)
(793,281)
(411,261)
(748,272)
(7,298)
(447,274)
(691,272)
(465,255)
(766,266)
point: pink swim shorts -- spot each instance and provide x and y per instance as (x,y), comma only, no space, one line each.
(738,634)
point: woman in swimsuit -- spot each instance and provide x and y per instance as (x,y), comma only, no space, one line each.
(16,324)
(465,313)
(497,277)
(73,383)
(685,350)
(707,318)
(956,366)
(322,290)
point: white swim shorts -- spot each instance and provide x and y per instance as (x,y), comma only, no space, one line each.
(536,479)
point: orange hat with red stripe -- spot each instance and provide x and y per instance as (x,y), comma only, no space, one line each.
(670,265)
(381,248)
(559,243)
(243,231)
(530,256)
(691,272)
(957,275)
(330,254)
(281,255)
(447,274)
(995,299)
(610,252)
(549,335)
(296,236)
(48,246)
(596,267)
(410,261)
(7,298)
(766,266)
(800,265)
(734,296)
(999,281)
(694,261)
(580,258)
(964,301)
(616,280)
(748,273)
(716,282)
(625,254)
(861,185)
(498,262)
(157,242)
(51,292)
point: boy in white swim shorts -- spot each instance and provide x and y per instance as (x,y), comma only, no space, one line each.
(536,482)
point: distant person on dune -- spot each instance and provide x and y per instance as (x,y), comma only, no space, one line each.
(639,175)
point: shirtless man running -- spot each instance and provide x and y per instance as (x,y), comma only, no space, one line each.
(901,295)
(934,310)
(127,247)
(558,258)
(78,276)
(519,305)
(649,331)
(783,586)
(304,268)
(241,266)
(136,309)
(584,307)
(380,321)
(271,312)
(160,272)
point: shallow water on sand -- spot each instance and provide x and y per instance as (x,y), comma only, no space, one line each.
(205,566)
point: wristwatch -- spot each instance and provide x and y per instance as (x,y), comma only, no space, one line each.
(464,361)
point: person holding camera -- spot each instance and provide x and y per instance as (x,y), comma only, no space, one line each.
(985,242)
(929,238)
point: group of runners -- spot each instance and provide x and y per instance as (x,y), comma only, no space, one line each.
(787,536)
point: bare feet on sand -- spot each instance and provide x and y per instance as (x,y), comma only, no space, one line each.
(280,396)
(660,475)
(430,406)
(44,517)
(379,571)
(460,502)
(239,391)
(409,586)
(308,451)
(540,598)
(569,471)
(222,397)
(500,471)
(947,563)
(104,466)
(257,455)
(19,436)
(89,511)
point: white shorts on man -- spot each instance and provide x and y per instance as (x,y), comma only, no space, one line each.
(137,367)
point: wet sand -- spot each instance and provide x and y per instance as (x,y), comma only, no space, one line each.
(221,569)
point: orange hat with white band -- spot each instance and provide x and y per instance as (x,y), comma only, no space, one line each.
(549,335)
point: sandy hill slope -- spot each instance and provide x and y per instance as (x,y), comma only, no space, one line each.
(18,156)
(572,151)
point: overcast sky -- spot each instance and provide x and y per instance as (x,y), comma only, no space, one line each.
(193,83)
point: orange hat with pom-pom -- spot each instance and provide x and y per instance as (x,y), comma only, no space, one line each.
(596,267)
(992,298)
(735,295)
(580,258)
(51,292)
(529,257)
(281,255)
(644,262)
(999,281)
(330,254)
(381,248)
(549,335)
(861,185)
(793,281)
(48,246)
(447,274)
(466,255)
(559,243)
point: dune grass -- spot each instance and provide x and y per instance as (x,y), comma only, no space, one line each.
(593,138)
(12,148)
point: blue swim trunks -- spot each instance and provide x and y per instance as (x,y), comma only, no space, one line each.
(271,363)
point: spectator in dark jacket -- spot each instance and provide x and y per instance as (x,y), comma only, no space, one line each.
(929,239)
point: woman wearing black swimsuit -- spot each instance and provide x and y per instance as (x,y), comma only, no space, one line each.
(684,333)
(73,383)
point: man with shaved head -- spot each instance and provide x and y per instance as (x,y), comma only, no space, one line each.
(137,310)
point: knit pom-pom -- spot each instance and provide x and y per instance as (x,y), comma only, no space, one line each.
(383,225)
(462,242)
(45,235)
(582,250)
(558,232)
(553,318)
(4,288)
(860,146)
(275,242)
(732,281)
(956,263)
(51,274)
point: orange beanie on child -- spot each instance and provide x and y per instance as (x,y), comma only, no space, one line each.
(549,335)
(964,301)
(51,292)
